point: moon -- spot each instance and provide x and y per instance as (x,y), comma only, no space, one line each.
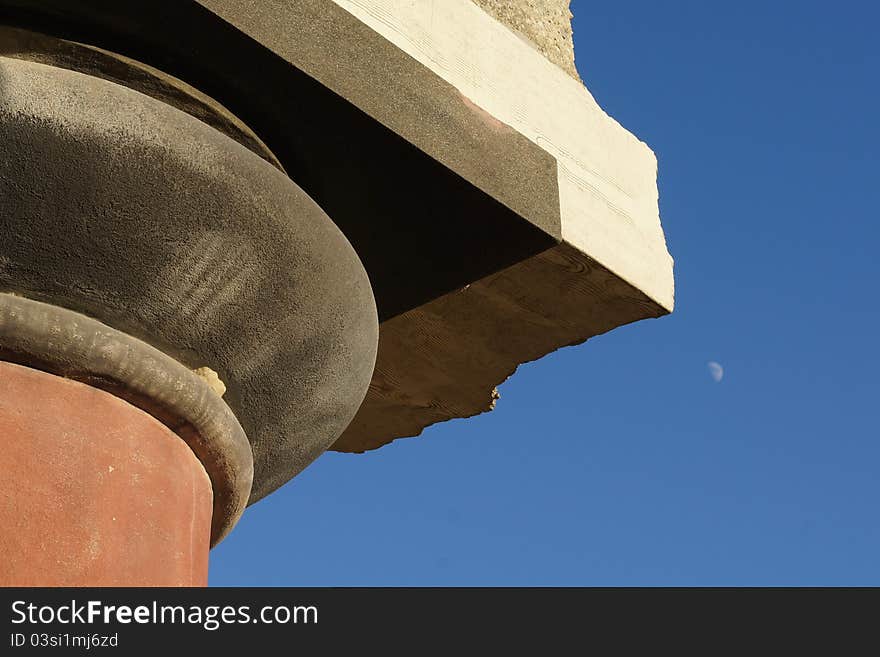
(715,371)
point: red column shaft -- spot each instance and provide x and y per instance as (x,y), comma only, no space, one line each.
(94,491)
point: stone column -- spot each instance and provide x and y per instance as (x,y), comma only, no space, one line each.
(121,466)
(95,492)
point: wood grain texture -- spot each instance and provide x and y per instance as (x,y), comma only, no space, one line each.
(445,359)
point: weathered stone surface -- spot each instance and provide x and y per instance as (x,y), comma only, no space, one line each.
(94,491)
(445,359)
(546,23)
(132,212)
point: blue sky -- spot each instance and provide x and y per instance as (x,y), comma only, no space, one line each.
(621,461)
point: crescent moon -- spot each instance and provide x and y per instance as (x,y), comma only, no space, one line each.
(715,371)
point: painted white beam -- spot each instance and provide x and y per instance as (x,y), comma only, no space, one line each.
(607,177)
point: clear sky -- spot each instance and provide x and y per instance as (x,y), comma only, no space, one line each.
(622,461)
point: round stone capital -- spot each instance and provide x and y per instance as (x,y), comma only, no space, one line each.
(125,209)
